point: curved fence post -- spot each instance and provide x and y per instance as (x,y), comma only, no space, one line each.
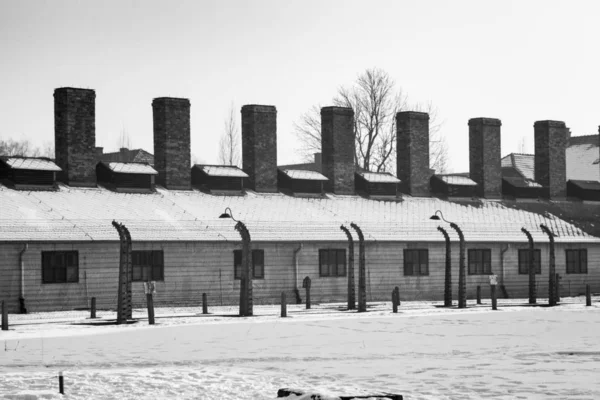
(552,281)
(362,279)
(246,304)
(448,276)
(531,267)
(351,287)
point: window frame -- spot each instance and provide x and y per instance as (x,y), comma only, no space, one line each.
(471,262)
(420,253)
(338,268)
(581,266)
(151,264)
(50,259)
(256,254)
(523,264)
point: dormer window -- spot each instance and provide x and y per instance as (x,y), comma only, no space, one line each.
(126,177)
(219,179)
(453,185)
(28,172)
(301,182)
(376,184)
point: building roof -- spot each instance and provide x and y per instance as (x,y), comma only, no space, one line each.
(131,168)
(303,174)
(582,159)
(31,163)
(127,155)
(85,214)
(230,171)
(374,177)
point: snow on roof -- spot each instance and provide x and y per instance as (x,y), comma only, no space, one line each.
(523,163)
(304,175)
(131,168)
(374,177)
(35,164)
(80,214)
(223,170)
(458,180)
(582,162)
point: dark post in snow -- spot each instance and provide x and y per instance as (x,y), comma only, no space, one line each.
(494,298)
(588,295)
(150,305)
(246,278)
(462,278)
(362,278)
(61,383)
(283,305)
(93,308)
(4,316)
(351,287)
(448,278)
(204,304)
(478,294)
(306,285)
(552,281)
(395,299)
(531,267)
(124,307)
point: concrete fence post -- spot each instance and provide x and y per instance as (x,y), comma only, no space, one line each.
(4,316)
(478,294)
(204,304)
(93,308)
(588,295)
(283,305)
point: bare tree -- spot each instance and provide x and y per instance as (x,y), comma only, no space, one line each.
(19,148)
(229,145)
(375,101)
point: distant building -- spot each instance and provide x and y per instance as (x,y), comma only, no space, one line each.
(125,155)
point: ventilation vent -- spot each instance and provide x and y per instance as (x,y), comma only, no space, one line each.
(28,173)
(584,190)
(126,177)
(374,184)
(219,179)
(301,182)
(453,185)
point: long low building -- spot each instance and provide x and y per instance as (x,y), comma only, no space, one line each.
(58,247)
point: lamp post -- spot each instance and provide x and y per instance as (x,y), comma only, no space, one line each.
(462,284)
(246,273)
(552,281)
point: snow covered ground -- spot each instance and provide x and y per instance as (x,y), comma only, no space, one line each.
(423,352)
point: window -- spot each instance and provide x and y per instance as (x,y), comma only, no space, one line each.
(480,261)
(416,262)
(524,261)
(147,265)
(258,264)
(60,266)
(332,262)
(576,261)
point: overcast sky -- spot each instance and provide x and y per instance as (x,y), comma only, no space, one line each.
(519,61)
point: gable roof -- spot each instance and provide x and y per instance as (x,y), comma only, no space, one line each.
(31,163)
(131,168)
(127,155)
(230,171)
(85,214)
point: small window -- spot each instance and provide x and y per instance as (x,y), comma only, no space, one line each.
(147,265)
(480,261)
(258,264)
(332,262)
(416,262)
(60,266)
(524,261)
(576,261)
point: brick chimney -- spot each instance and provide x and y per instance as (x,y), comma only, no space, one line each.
(75,135)
(550,159)
(412,157)
(259,147)
(172,142)
(337,147)
(484,156)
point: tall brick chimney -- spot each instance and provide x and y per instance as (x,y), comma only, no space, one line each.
(484,156)
(259,147)
(337,149)
(75,135)
(550,159)
(172,142)
(412,157)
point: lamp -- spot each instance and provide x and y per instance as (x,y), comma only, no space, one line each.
(228,215)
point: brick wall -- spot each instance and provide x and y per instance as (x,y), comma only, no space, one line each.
(75,135)
(172,142)
(550,159)
(337,149)
(412,159)
(259,147)
(484,156)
